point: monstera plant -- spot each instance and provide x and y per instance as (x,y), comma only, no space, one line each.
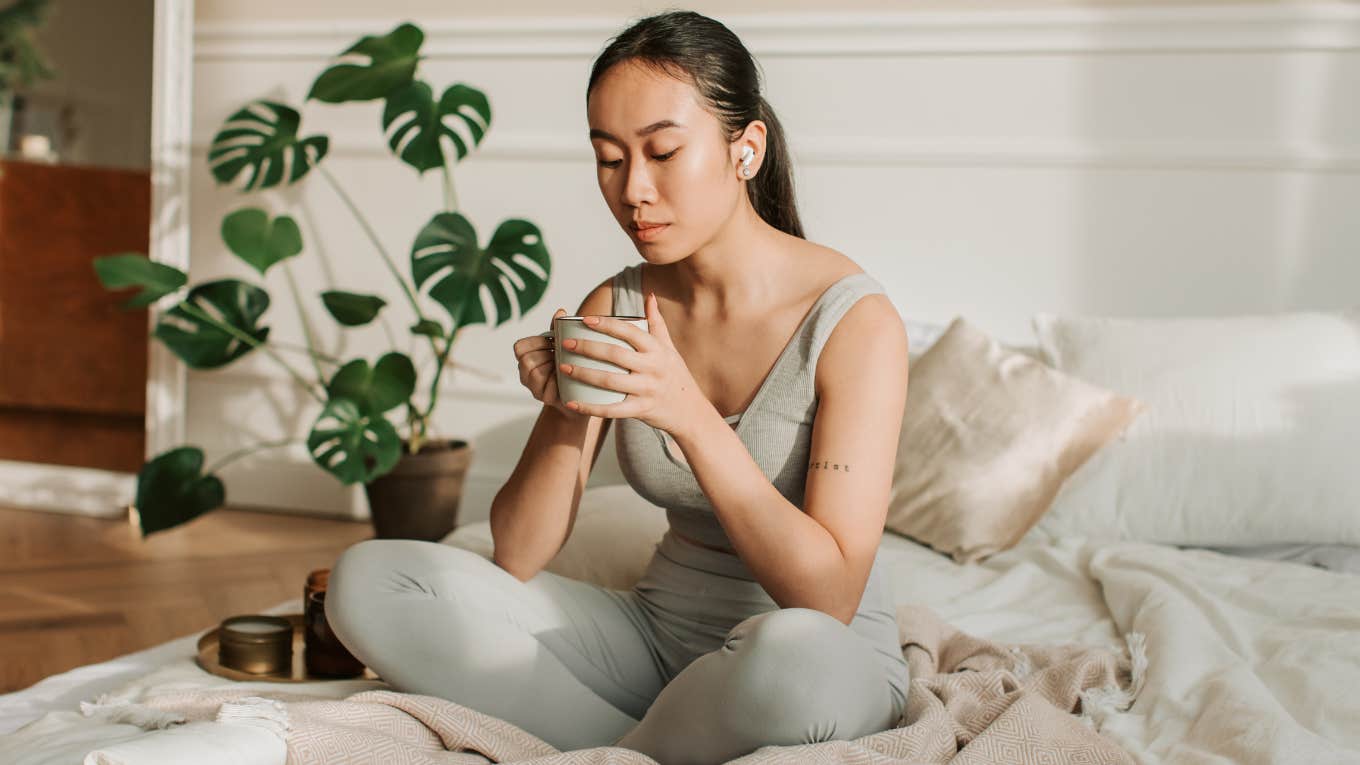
(263,146)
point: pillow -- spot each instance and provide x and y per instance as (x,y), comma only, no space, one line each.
(920,336)
(988,437)
(1250,436)
(612,541)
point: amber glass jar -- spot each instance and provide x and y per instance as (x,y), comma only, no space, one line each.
(323,653)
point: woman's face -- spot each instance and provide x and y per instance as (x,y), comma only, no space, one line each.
(661,158)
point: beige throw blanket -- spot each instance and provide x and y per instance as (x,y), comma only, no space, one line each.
(971,701)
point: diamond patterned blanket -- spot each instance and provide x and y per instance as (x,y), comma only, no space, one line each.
(972,700)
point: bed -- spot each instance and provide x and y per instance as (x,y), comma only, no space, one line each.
(1249,660)
(1240,622)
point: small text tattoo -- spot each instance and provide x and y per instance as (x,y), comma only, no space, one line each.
(825,465)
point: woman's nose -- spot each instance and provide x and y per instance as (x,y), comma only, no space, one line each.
(637,185)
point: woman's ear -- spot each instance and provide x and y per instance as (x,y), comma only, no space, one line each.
(753,138)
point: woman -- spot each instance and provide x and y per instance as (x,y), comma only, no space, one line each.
(761,618)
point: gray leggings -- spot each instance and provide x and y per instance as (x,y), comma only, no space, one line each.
(693,664)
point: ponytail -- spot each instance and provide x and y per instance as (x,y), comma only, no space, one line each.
(772,191)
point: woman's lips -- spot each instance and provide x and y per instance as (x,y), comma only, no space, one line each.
(650,233)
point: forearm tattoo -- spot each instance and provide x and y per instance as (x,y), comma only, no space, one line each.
(825,465)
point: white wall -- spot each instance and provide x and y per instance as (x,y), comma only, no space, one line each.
(1153,160)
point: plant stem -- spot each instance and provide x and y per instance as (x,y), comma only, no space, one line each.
(194,310)
(387,330)
(439,370)
(218,465)
(306,325)
(450,198)
(373,237)
(329,359)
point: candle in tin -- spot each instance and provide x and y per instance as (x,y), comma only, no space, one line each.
(256,643)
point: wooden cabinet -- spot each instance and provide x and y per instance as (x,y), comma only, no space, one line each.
(72,360)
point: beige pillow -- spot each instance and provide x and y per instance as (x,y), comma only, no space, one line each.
(988,437)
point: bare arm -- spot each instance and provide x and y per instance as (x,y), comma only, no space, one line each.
(533,513)
(818,556)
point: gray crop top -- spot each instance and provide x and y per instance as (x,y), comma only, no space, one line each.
(776,427)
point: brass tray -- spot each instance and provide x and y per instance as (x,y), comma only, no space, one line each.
(207,659)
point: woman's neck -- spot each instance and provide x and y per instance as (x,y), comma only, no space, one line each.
(733,270)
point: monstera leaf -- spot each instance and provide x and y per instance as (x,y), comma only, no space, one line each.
(170,490)
(351,308)
(447,247)
(133,269)
(377,389)
(351,444)
(392,63)
(428,327)
(263,136)
(203,344)
(422,122)
(258,241)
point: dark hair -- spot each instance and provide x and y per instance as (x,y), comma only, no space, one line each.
(692,46)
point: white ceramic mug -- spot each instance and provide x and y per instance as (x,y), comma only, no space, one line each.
(575,328)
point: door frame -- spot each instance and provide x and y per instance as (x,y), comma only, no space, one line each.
(108,493)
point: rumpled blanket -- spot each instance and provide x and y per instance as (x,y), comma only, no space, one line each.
(971,701)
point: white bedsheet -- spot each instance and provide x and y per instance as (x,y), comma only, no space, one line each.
(1250,660)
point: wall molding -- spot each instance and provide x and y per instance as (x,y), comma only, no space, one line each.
(905,152)
(1247,26)
(1322,26)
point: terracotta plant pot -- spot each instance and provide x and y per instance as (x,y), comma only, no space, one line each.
(419,498)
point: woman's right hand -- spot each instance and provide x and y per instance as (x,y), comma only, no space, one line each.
(538,369)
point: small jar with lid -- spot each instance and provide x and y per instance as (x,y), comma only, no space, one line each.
(257,644)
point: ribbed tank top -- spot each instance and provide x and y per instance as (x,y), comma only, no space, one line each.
(776,426)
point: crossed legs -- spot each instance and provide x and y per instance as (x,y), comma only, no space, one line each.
(573,663)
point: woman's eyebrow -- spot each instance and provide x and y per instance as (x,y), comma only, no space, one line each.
(652,128)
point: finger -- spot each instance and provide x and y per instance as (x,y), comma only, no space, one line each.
(610,352)
(553,320)
(620,329)
(535,358)
(618,381)
(656,324)
(597,410)
(549,388)
(528,372)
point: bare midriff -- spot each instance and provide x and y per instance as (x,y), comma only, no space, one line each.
(701,544)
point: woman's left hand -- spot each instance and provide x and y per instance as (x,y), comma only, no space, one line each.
(661,391)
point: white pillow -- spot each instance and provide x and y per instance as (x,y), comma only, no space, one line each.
(1251,433)
(920,336)
(611,543)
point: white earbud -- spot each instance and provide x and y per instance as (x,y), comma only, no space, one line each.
(747,154)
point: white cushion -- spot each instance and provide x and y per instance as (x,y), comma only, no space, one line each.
(1251,433)
(921,335)
(611,542)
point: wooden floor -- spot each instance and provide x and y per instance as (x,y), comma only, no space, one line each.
(76,590)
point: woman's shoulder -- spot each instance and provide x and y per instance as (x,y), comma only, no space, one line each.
(826,266)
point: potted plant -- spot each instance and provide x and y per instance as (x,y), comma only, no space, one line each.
(21,63)
(413,481)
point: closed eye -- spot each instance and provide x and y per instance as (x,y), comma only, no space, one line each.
(659,157)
